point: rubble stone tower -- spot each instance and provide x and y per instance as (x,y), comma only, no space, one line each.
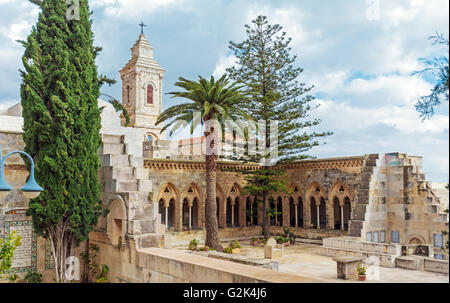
(142,88)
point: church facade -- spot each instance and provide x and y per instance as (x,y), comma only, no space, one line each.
(155,188)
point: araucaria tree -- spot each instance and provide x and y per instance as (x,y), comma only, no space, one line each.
(211,104)
(267,69)
(59,95)
(438,67)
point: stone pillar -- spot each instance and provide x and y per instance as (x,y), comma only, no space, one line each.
(190,217)
(318,216)
(167,217)
(296,215)
(342,217)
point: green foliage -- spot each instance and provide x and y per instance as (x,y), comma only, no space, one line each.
(13,278)
(7,247)
(438,67)
(266,180)
(361,269)
(281,240)
(59,93)
(213,99)
(228,250)
(267,70)
(234,244)
(193,244)
(95,272)
(33,277)
(102,277)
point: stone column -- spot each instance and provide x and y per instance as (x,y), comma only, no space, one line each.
(276,216)
(318,216)
(167,217)
(190,217)
(342,217)
(296,215)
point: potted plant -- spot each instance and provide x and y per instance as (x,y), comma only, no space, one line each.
(193,244)
(361,272)
(236,247)
(253,242)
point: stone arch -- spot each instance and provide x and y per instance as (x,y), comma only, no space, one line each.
(315,195)
(416,239)
(167,192)
(169,199)
(192,211)
(117,220)
(339,190)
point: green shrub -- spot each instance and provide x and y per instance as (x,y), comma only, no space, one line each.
(193,244)
(228,250)
(254,240)
(361,269)
(282,240)
(33,277)
(235,244)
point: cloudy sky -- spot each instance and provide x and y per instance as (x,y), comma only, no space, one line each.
(359,55)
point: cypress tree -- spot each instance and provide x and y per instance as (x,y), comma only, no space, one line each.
(59,93)
(267,69)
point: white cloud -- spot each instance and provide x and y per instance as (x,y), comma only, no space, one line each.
(120,8)
(223,63)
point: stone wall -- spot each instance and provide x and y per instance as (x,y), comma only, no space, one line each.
(34,252)
(157,265)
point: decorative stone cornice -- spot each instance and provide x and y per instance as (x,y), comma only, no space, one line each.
(332,163)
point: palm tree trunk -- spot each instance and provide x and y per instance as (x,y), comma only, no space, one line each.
(211,224)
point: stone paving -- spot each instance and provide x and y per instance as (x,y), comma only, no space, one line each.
(305,260)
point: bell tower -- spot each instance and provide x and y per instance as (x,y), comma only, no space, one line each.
(142,87)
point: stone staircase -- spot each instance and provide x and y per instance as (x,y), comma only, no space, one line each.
(412,171)
(124,175)
(434,206)
(362,196)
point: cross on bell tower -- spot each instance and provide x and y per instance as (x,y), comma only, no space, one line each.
(142,25)
(142,79)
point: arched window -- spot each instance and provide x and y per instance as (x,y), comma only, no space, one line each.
(150,94)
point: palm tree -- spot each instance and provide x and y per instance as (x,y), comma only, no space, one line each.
(215,102)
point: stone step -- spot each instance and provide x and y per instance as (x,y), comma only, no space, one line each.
(126,186)
(123,173)
(112,139)
(115,160)
(113,148)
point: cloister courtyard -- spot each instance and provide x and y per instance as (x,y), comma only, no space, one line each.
(305,259)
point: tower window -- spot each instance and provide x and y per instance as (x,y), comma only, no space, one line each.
(150,94)
(128,94)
